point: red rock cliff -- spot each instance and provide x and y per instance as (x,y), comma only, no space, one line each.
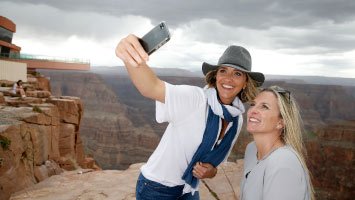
(39,135)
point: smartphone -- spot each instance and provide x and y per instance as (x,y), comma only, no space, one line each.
(155,38)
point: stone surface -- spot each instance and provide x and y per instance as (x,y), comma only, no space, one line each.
(38,94)
(67,140)
(2,99)
(69,110)
(39,136)
(120,185)
(331,160)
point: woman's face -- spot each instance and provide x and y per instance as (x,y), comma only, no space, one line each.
(264,114)
(229,82)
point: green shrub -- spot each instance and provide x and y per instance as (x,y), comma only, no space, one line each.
(3,84)
(37,109)
(4,142)
(35,74)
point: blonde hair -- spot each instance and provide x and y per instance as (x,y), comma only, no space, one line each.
(293,127)
(245,95)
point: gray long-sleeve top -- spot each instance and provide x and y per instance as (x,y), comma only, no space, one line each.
(278,176)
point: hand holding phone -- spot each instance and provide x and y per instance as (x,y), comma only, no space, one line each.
(155,38)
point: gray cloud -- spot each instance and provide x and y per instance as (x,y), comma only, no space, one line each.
(305,27)
(246,13)
(45,21)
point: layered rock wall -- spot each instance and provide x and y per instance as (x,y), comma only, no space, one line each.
(39,135)
(331,160)
(114,133)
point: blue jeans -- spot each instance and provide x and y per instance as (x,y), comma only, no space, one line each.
(150,190)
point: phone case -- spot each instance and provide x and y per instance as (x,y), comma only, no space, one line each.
(155,38)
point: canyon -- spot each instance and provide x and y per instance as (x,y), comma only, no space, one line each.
(119,128)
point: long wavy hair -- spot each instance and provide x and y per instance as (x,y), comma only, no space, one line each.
(245,95)
(293,127)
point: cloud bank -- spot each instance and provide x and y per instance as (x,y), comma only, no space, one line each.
(284,37)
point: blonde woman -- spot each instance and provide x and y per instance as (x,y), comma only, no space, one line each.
(274,163)
(204,123)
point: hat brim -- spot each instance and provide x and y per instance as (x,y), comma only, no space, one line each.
(256,76)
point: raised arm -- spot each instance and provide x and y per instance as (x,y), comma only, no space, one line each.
(130,51)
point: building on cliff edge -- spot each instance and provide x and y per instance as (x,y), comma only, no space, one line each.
(14,65)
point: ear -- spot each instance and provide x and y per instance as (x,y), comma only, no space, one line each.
(280,124)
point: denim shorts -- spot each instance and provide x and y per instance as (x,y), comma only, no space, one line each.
(151,190)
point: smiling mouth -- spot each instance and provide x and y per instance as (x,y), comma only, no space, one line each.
(252,119)
(227,86)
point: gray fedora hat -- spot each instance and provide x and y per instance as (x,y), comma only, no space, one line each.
(237,57)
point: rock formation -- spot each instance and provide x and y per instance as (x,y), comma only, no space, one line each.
(120,185)
(116,134)
(39,136)
(331,160)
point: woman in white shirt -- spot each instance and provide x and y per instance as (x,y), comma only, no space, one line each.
(274,164)
(204,123)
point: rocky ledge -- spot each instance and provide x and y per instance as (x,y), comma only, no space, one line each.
(39,136)
(117,184)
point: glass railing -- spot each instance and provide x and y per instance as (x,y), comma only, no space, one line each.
(44,58)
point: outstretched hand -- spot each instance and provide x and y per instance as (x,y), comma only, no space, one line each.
(131,52)
(204,170)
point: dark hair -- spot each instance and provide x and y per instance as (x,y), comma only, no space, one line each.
(247,94)
(19,82)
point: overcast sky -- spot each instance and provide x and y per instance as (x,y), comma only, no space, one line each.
(285,37)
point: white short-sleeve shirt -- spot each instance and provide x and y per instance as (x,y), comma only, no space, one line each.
(186,110)
(14,88)
(279,176)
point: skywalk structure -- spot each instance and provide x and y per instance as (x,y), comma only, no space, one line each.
(14,65)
